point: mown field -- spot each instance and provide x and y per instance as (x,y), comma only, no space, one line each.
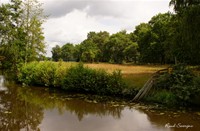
(134,75)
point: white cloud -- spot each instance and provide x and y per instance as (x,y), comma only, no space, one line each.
(71,20)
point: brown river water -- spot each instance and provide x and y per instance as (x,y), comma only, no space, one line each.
(42,109)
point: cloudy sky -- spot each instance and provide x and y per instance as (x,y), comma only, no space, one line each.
(71,20)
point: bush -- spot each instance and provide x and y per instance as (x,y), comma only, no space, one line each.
(41,74)
(26,73)
(84,79)
(181,82)
(163,97)
(186,94)
(181,75)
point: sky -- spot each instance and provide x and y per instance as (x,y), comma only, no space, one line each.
(69,21)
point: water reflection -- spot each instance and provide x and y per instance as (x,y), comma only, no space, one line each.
(48,100)
(16,114)
(35,108)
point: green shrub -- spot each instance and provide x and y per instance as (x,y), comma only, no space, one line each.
(84,79)
(181,82)
(186,94)
(41,74)
(27,73)
(163,97)
(181,75)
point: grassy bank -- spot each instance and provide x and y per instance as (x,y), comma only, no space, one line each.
(181,87)
(75,77)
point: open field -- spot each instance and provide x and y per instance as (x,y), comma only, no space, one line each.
(134,75)
(128,69)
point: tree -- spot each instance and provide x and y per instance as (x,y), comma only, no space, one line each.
(117,44)
(187,34)
(68,52)
(154,39)
(100,39)
(56,53)
(131,53)
(160,26)
(180,5)
(12,34)
(145,40)
(33,18)
(88,51)
(22,38)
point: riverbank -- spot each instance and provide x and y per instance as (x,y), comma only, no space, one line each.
(75,78)
(105,80)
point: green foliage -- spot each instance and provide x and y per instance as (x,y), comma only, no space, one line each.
(75,78)
(89,51)
(181,82)
(84,79)
(153,39)
(163,97)
(21,33)
(181,75)
(67,53)
(119,47)
(187,33)
(41,74)
(56,53)
(100,47)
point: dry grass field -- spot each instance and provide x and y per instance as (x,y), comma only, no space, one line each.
(134,75)
(127,69)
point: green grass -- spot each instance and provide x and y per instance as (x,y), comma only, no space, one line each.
(136,80)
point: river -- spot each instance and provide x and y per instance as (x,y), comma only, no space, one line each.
(43,109)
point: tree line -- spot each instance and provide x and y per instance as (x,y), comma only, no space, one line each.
(166,39)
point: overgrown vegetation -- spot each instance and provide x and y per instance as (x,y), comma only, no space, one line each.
(21,33)
(76,78)
(180,87)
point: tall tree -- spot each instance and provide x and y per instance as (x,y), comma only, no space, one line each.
(117,44)
(12,34)
(68,52)
(160,27)
(145,40)
(154,39)
(180,5)
(56,53)
(33,18)
(187,30)
(21,32)
(89,51)
(100,39)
